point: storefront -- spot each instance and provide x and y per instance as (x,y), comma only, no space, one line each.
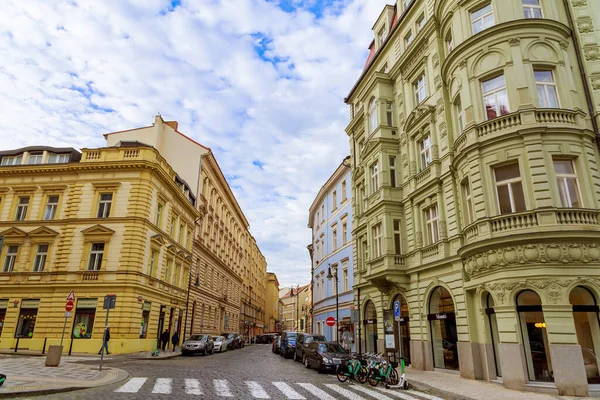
(404,328)
(145,320)
(27,318)
(534,336)
(370,327)
(85,314)
(587,326)
(494,336)
(442,323)
(3,307)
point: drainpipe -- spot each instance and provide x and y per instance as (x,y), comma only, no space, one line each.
(359,323)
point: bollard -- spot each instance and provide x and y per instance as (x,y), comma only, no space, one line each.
(44,348)
(71,347)
(17,346)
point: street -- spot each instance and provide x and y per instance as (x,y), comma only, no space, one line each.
(253,372)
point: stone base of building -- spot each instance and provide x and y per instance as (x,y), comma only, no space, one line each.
(85,346)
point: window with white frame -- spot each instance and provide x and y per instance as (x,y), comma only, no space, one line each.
(365,249)
(405,4)
(344,196)
(449,41)
(322,285)
(509,189)
(345,283)
(158,219)
(425,151)
(344,232)
(382,36)
(35,158)
(568,187)
(58,158)
(10,258)
(421,22)
(389,114)
(495,98)
(482,18)
(408,38)
(532,9)
(322,212)
(22,208)
(374,177)
(372,115)
(12,160)
(397,237)
(39,261)
(104,204)
(95,259)
(420,89)
(318,219)
(469,212)
(317,251)
(334,237)
(51,206)
(432,222)
(334,200)
(460,114)
(153,261)
(377,240)
(318,291)
(546,88)
(392,171)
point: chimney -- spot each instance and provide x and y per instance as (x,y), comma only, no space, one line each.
(172,124)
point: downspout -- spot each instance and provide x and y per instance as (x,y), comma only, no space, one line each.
(581,64)
(359,324)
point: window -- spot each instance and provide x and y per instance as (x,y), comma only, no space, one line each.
(345,277)
(344,232)
(546,88)
(40,258)
(397,237)
(14,160)
(58,158)
(35,158)
(10,258)
(408,38)
(22,207)
(420,89)
(372,115)
(420,22)
(51,205)
(322,212)
(181,233)
(449,42)
(344,197)
(389,114)
(532,9)
(104,205)
(382,36)
(96,253)
(392,171)
(173,227)
(568,188)
(509,189)
(26,323)
(334,238)
(495,98)
(168,269)
(377,241)
(159,210)
(460,114)
(334,200)
(318,218)
(152,266)
(374,177)
(482,18)
(432,224)
(425,150)
(469,213)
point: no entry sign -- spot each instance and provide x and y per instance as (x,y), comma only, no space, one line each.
(330,321)
(69,306)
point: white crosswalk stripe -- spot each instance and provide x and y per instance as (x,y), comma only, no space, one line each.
(371,392)
(398,393)
(321,394)
(257,391)
(425,395)
(132,386)
(222,388)
(192,386)
(163,386)
(344,392)
(288,391)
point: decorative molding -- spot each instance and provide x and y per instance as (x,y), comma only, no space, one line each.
(592,53)
(462,64)
(443,129)
(585,25)
(438,82)
(443,230)
(564,44)
(595,78)
(436,60)
(514,41)
(419,239)
(579,3)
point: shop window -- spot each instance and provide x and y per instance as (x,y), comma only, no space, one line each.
(482,19)
(532,9)
(404,328)
(546,88)
(27,318)
(444,335)
(83,325)
(51,206)
(495,98)
(509,189)
(104,204)
(494,335)
(587,326)
(22,208)
(146,320)
(535,336)
(370,327)
(568,187)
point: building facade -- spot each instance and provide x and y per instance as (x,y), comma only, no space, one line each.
(296,302)
(474,153)
(272,316)
(254,290)
(330,218)
(81,222)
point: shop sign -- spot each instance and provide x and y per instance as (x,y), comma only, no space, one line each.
(146,306)
(30,303)
(3,304)
(87,303)
(370,321)
(440,316)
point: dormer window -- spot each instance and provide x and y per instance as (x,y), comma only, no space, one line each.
(35,158)
(14,160)
(382,36)
(408,38)
(58,158)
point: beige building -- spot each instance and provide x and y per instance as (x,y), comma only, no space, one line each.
(474,143)
(272,316)
(297,304)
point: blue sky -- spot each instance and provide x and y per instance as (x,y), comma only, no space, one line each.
(261,82)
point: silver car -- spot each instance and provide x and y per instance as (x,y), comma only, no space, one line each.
(195,344)
(220,344)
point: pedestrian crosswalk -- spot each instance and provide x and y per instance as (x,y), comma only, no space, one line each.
(270,390)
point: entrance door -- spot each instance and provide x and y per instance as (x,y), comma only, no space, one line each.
(535,337)
(587,326)
(444,336)
(404,328)
(2,316)
(370,324)
(161,322)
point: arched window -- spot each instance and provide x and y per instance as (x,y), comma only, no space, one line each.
(444,335)
(372,115)
(587,326)
(370,323)
(535,336)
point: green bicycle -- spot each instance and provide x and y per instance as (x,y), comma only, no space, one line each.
(383,372)
(352,369)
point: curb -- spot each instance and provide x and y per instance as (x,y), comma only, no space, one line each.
(426,388)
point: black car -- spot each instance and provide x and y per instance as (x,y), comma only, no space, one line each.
(276,346)
(288,344)
(267,338)
(239,341)
(230,340)
(303,340)
(324,356)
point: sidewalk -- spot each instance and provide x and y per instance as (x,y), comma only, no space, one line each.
(30,376)
(143,355)
(471,389)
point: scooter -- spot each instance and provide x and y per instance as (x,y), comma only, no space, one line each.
(2,379)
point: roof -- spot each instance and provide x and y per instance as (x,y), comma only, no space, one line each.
(324,188)
(38,148)
(295,290)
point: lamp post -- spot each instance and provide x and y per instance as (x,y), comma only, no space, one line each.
(337,304)
(295,313)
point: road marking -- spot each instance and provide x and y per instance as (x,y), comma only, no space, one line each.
(132,386)
(349,395)
(316,391)
(425,395)
(192,386)
(373,393)
(288,391)
(403,396)
(162,385)
(257,391)
(222,387)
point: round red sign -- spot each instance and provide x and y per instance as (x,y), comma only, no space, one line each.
(330,321)
(69,306)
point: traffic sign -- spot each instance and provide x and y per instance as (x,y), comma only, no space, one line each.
(110,301)
(71,296)
(69,306)
(330,321)
(397,310)
(67,314)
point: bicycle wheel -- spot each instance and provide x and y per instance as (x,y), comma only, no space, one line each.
(362,375)
(373,378)
(341,376)
(394,378)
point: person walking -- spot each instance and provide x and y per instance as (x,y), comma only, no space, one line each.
(164,339)
(175,340)
(105,340)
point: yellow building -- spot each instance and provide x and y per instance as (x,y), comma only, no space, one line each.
(272,316)
(297,304)
(115,220)
(254,275)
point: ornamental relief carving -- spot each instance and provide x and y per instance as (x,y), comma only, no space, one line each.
(592,53)
(487,261)
(596,81)
(585,25)
(579,3)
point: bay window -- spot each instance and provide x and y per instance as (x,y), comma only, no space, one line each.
(372,115)
(495,98)
(509,189)
(532,9)
(482,18)
(568,187)
(546,88)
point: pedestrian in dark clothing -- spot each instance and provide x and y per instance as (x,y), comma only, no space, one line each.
(164,338)
(175,340)
(105,340)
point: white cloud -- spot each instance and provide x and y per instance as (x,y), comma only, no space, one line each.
(71,71)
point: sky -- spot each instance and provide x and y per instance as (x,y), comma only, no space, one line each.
(260,82)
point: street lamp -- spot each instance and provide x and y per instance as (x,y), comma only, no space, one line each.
(337,304)
(295,314)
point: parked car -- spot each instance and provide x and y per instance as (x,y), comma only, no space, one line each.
(266,338)
(229,338)
(324,356)
(220,345)
(303,340)
(288,344)
(239,341)
(195,344)
(276,346)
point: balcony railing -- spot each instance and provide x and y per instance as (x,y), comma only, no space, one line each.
(430,251)
(423,175)
(577,217)
(497,124)
(514,221)
(555,116)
